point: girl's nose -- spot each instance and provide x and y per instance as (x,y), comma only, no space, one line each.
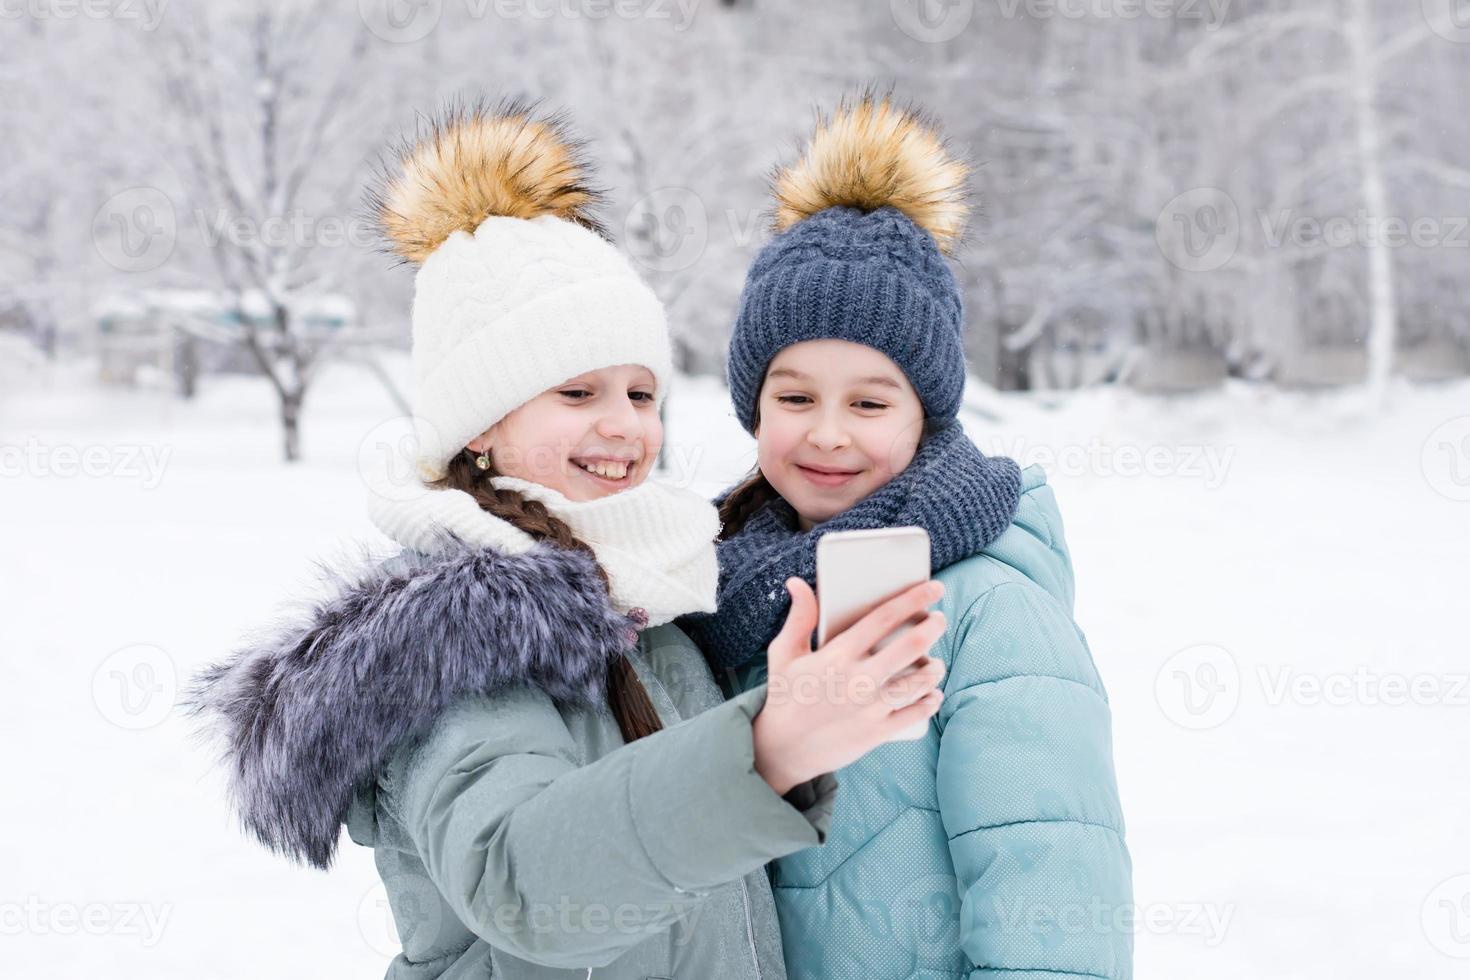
(827,434)
(620,420)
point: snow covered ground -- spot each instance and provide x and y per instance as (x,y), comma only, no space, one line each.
(1273,585)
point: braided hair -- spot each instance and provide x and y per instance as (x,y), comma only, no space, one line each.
(743,500)
(627,697)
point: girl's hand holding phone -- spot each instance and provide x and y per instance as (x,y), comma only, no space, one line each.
(829,707)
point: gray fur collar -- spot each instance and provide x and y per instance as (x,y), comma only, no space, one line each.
(312,708)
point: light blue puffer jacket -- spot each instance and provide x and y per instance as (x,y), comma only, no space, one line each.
(994,846)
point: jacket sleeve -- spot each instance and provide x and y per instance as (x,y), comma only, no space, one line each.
(1028,796)
(569,865)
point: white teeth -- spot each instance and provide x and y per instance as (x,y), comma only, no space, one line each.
(609,470)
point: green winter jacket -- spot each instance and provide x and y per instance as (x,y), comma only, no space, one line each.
(518,840)
(449,711)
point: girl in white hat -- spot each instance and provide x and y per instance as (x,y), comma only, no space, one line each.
(505,711)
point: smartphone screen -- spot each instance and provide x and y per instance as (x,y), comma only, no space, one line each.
(858,570)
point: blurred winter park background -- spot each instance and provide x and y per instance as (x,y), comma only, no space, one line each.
(1216,287)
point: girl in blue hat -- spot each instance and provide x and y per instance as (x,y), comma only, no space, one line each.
(994,845)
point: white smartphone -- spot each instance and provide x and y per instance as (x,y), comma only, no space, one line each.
(859,570)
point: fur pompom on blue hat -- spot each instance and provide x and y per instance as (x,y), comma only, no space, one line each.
(863,223)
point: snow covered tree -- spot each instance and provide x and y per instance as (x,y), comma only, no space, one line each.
(271,120)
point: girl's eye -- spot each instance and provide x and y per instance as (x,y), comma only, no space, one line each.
(646,396)
(791,399)
(867,404)
(574,392)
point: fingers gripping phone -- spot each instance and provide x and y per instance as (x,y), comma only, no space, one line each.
(858,570)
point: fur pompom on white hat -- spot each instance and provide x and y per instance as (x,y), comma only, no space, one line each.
(518,288)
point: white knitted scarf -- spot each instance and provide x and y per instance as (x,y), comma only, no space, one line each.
(655,541)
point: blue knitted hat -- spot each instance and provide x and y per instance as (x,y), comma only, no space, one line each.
(863,221)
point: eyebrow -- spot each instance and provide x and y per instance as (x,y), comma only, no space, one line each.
(876,379)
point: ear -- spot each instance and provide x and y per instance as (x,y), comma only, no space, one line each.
(481,442)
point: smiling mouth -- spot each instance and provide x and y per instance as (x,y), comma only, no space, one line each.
(827,479)
(606,470)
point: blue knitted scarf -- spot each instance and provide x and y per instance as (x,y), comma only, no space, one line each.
(962,497)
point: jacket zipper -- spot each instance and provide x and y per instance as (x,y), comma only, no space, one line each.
(750,928)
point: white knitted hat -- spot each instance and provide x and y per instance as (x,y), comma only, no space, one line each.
(518,288)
